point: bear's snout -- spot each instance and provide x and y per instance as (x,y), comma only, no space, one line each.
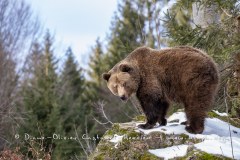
(124,98)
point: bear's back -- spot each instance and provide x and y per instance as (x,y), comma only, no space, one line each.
(177,69)
(182,56)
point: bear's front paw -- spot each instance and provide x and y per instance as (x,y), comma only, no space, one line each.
(163,122)
(145,126)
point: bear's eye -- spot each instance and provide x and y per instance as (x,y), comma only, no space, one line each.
(124,84)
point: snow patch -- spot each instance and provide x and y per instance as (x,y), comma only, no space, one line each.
(181,116)
(220,114)
(219,127)
(116,139)
(170,152)
(221,147)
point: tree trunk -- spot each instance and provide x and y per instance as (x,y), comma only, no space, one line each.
(204,16)
(237,69)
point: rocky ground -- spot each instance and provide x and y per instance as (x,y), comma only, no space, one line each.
(220,140)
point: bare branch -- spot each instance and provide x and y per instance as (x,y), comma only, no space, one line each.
(230,133)
(79,141)
(228,14)
(18,27)
(157,23)
(101,123)
(99,106)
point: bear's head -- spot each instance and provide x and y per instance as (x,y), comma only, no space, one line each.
(123,80)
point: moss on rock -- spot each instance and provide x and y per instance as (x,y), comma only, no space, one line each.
(148,156)
(141,118)
(193,154)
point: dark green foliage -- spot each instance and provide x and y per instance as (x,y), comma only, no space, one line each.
(71,78)
(96,63)
(72,110)
(54,105)
(39,95)
(127,32)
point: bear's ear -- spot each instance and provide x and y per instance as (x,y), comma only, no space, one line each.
(125,68)
(106,76)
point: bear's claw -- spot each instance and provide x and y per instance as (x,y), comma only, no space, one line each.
(184,123)
(145,126)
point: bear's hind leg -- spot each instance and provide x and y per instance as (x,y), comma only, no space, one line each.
(195,121)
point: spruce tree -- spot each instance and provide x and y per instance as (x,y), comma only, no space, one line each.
(40,98)
(73,110)
(96,63)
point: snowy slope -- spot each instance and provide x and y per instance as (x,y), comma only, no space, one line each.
(215,137)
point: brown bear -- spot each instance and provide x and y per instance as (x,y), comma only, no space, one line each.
(182,74)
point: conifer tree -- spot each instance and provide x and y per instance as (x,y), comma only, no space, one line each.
(39,95)
(96,63)
(73,110)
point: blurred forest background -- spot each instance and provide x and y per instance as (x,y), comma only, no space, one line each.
(42,94)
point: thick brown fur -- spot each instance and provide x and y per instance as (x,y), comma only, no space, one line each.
(181,74)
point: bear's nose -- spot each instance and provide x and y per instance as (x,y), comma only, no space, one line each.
(123,98)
